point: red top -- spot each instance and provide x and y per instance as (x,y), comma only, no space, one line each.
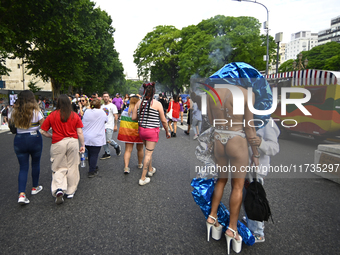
(175,109)
(188,103)
(62,129)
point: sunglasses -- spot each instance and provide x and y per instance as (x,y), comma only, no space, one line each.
(82,100)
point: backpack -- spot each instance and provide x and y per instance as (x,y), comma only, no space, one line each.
(256,204)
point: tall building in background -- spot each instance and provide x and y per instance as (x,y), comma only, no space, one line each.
(332,34)
(300,41)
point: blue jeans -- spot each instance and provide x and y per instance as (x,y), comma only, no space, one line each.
(26,145)
(256,227)
(109,140)
(93,152)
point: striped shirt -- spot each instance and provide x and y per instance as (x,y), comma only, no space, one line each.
(148,118)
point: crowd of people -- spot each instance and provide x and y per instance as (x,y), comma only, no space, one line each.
(84,125)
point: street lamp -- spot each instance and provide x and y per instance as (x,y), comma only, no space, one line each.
(300,66)
(265,27)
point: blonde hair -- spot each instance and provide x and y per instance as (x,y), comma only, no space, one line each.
(24,108)
(133,102)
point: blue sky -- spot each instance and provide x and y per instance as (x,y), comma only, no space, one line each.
(133,19)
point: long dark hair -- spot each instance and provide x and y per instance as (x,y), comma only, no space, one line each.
(176,98)
(65,107)
(149,92)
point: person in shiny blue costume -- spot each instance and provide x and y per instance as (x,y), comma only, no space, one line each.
(243,76)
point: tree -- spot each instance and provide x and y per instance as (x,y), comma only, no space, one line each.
(286,66)
(33,87)
(68,42)
(171,56)
(156,56)
(322,57)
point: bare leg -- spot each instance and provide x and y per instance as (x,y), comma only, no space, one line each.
(221,160)
(237,150)
(127,154)
(150,165)
(175,127)
(170,126)
(140,153)
(149,147)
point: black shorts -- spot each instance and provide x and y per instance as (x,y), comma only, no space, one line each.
(119,111)
(189,117)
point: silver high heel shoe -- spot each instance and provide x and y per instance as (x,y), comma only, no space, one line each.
(216,232)
(237,244)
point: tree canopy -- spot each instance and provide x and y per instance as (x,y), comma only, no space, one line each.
(68,42)
(171,56)
(322,57)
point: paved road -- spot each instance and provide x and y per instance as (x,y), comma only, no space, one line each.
(112,214)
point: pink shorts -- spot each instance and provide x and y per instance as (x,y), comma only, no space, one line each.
(149,134)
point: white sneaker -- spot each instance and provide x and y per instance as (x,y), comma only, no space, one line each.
(59,197)
(140,166)
(70,196)
(36,190)
(146,181)
(23,200)
(152,172)
(195,137)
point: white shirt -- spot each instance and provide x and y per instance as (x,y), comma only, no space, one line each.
(35,126)
(94,127)
(269,145)
(110,109)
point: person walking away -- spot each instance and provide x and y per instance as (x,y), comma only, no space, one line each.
(174,105)
(230,147)
(110,126)
(189,105)
(27,118)
(266,140)
(196,120)
(163,101)
(118,102)
(67,133)
(126,101)
(147,112)
(128,133)
(180,101)
(94,121)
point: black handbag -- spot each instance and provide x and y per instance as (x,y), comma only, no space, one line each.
(256,204)
(12,127)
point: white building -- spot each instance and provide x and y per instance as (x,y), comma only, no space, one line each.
(18,80)
(300,41)
(331,34)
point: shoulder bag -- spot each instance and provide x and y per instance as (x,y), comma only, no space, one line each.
(256,204)
(169,114)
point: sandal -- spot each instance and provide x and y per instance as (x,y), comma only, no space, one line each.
(216,232)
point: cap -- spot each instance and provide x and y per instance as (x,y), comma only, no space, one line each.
(132,95)
(117,94)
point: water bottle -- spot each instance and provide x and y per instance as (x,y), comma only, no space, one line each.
(82,160)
